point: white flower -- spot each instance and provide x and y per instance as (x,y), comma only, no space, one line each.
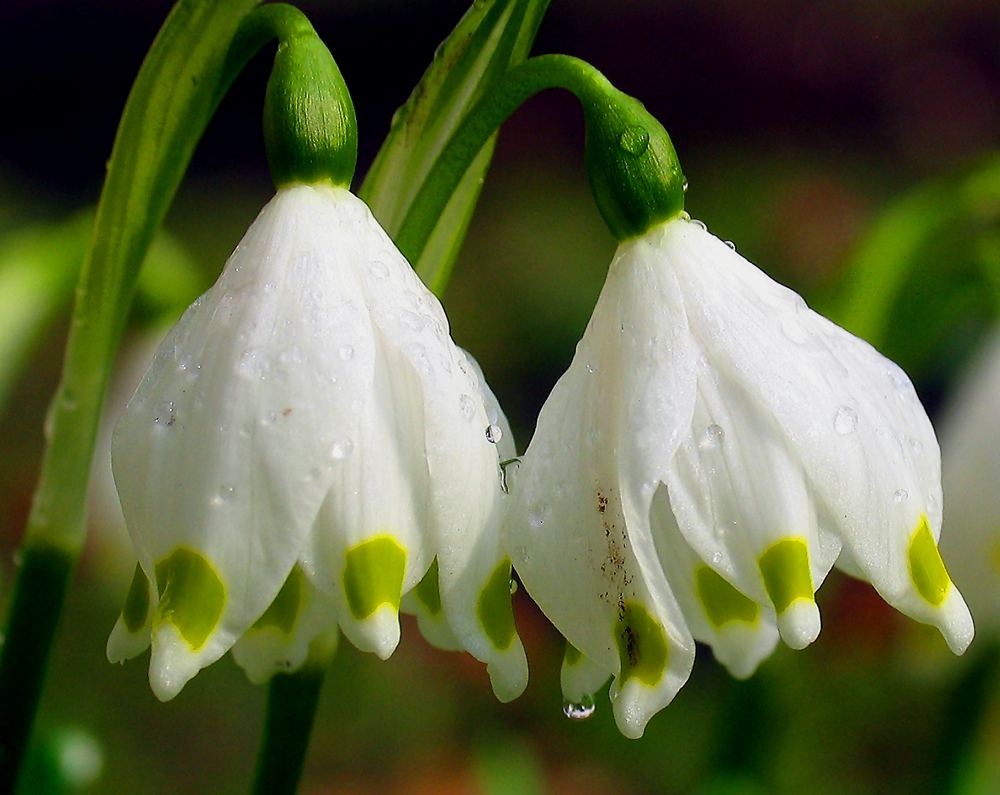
(971,472)
(714,449)
(308,446)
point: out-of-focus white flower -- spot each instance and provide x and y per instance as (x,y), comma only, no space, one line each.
(713,450)
(970,453)
(308,446)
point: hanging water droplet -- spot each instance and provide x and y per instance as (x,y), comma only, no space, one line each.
(730,244)
(712,437)
(579,710)
(378,269)
(900,495)
(493,434)
(346,352)
(340,449)
(634,140)
(165,413)
(467,405)
(513,586)
(846,420)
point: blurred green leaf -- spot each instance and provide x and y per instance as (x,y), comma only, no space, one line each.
(491,37)
(926,277)
(508,767)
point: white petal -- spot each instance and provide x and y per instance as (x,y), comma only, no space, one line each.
(130,636)
(224,452)
(280,639)
(848,415)
(579,527)
(740,631)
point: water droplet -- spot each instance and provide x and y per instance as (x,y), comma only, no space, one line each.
(846,420)
(227,491)
(493,434)
(717,558)
(271,285)
(900,495)
(684,187)
(579,710)
(513,586)
(520,555)
(166,415)
(467,405)
(340,449)
(730,244)
(700,224)
(712,437)
(590,368)
(634,140)
(346,352)
(916,446)
(378,269)
(537,514)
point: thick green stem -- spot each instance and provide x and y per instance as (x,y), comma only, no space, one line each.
(291,710)
(631,163)
(174,95)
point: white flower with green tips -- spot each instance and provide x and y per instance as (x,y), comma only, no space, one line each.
(309,447)
(713,450)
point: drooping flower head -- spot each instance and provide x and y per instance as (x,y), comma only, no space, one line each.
(713,450)
(309,447)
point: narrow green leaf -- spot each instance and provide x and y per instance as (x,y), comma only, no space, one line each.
(491,37)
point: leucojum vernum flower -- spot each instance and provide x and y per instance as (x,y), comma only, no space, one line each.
(310,451)
(309,448)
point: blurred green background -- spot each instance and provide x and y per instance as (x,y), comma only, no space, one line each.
(798,125)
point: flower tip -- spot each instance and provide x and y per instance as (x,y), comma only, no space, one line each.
(956,623)
(378,633)
(509,674)
(631,712)
(124,645)
(799,623)
(742,647)
(171,663)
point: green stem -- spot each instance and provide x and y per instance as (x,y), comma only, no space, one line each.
(175,94)
(291,710)
(635,184)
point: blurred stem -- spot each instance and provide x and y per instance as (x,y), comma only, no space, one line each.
(174,95)
(291,710)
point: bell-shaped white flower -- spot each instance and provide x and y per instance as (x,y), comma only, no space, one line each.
(713,450)
(308,446)
(971,474)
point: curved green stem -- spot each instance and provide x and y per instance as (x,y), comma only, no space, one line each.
(175,93)
(631,163)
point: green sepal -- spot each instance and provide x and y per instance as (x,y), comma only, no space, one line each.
(310,129)
(633,169)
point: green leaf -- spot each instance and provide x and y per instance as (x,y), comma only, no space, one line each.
(491,37)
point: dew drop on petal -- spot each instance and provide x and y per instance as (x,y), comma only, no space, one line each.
(846,420)
(579,710)
(346,352)
(700,224)
(916,446)
(900,495)
(340,449)
(378,269)
(227,491)
(166,415)
(730,244)
(717,558)
(712,437)
(493,434)
(634,140)
(513,586)
(467,405)
(684,187)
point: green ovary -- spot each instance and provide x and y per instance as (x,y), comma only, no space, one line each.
(927,570)
(136,609)
(642,644)
(722,602)
(373,575)
(192,595)
(284,611)
(785,569)
(428,592)
(494,609)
